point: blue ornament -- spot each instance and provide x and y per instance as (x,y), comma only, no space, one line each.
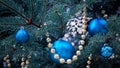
(97,25)
(22,36)
(106,51)
(64,49)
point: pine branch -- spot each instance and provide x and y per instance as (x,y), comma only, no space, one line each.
(31,4)
(43,11)
(29,21)
(12,9)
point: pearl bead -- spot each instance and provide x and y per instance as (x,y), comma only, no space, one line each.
(78,52)
(74,57)
(23,59)
(105,16)
(9,65)
(88,62)
(5,58)
(88,66)
(48,40)
(119,40)
(56,56)
(62,60)
(82,42)
(83,36)
(27,62)
(80,47)
(8,61)
(89,58)
(69,61)
(52,50)
(49,45)
(22,64)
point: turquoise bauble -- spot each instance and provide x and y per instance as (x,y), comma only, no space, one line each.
(97,25)
(22,36)
(64,49)
(106,51)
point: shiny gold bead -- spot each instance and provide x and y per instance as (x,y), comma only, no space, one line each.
(8,61)
(83,37)
(27,62)
(69,61)
(88,62)
(82,42)
(105,16)
(9,65)
(22,64)
(22,59)
(56,56)
(119,40)
(88,66)
(5,58)
(89,58)
(52,50)
(80,47)
(48,40)
(62,60)
(74,57)
(78,52)
(49,45)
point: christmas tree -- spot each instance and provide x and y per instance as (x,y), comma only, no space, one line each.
(30,29)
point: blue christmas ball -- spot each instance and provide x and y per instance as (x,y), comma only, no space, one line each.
(97,25)
(106,51)
(22,36)
(64,49)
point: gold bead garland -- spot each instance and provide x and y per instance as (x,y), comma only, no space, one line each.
(80,47)
(117,37)
(25,62)
(7,60)
(89,61)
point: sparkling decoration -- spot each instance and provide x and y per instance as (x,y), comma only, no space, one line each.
(97,25)
(22,35)
(63,48)
(106,51)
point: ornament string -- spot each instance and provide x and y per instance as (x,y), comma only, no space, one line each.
(80,47)
(89,61)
